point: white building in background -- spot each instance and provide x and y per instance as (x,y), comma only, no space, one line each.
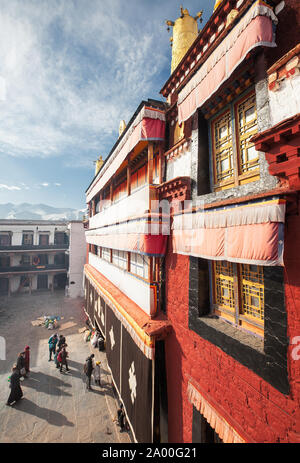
(77,256)
(34,256)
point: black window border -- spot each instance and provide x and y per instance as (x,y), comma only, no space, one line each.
(270,365)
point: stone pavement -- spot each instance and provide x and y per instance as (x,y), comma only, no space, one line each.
(56,407)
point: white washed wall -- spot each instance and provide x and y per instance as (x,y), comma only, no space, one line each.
(135,204)
(285,102)
(180,166)
(18,229)
(136,289)
(77,256)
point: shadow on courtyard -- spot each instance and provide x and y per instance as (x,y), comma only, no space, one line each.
(46,383)
(51,416)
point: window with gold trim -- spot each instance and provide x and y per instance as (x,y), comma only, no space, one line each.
(238,294)
(235,159)
(223,149)
(247,127)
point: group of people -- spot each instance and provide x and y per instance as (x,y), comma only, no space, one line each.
(57,347)
(92,369)
(19,371)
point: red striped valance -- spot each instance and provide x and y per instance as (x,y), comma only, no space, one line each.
(254,29)
(251,233)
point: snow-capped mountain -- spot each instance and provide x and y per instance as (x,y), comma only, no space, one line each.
(28,211)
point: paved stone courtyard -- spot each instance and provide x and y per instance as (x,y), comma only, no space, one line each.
(56,407)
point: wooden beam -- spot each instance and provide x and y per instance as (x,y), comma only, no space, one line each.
(129,176)
(150,163)
(160,163)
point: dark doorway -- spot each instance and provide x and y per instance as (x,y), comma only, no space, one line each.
(44,240)
(3,286)
(42,282)
(203,433)
(59,281)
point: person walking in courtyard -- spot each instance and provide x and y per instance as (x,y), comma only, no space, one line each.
(96,373)
(57,364)
(61,341)
(21,364)
(88,369)
(52,345)
(16,392)
(62,358)
(27,358)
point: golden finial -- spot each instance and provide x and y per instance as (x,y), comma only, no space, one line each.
(99,163)
(122,127)
(185,31)
(218,2)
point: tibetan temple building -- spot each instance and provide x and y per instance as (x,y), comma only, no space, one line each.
(192,271)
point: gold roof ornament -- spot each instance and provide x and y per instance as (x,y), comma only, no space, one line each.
(218,2)
(122,127)
(99,163)
(185,31)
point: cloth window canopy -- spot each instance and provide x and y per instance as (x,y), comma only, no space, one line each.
(250,234)
(149,125)
(145,236)
(150,245)
(254,29)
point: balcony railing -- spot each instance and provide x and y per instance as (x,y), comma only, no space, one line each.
(130,206)
(34,247)
(33,268)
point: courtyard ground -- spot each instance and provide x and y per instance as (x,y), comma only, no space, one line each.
(56,407)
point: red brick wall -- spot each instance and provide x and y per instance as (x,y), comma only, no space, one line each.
(261,411)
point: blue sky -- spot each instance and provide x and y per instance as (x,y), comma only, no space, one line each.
(70,70)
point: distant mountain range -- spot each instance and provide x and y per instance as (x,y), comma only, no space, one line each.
(26,211)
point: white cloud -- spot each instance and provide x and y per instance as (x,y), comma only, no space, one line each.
(71,73)
(45,184)
(57,184)
(8,187)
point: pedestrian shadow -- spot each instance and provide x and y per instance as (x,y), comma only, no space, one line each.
(46,383)
(73,373)
(51,416)
(96,391)
(76,365)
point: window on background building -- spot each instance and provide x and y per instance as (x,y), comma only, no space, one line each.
(43,258)
(5,239)
(25,260)
(139,265)
(24,281)
(43,240)
(4,261)
(27,238)
(106,254)
(119,258)
(59,259)
(60,238)
(235,160)
(239,294)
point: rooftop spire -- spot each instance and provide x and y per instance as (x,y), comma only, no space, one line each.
(185,31)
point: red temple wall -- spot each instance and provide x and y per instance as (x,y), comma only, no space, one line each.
(260,410)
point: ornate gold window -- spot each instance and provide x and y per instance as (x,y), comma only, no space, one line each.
(235,159)
(247,127)
(239,294)
(224,283)
(223,149)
